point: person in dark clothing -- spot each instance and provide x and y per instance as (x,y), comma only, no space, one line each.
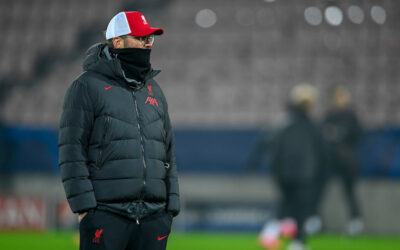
(296,156)
(116,147)
(6,176)
(342,132)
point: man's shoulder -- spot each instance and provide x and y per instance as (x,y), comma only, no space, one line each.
(156,85)
(88,82)
(153,82)
(89,77)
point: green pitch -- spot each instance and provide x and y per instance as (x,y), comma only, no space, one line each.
(197,241)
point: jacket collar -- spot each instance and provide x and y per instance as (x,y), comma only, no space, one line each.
(99,59)
(152,73)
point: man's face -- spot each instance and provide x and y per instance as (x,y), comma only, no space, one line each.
(131,42)
(341,98)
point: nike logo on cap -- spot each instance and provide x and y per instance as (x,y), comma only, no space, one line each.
(109,87)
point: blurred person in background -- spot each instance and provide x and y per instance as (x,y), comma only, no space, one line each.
(116,150)
(6,178)
(296,154)
(342,132)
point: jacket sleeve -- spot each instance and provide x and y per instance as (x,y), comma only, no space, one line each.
(173,202)
(75,127)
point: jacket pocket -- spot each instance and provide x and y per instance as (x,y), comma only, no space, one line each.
(99,161)
(167,167)
(87,217)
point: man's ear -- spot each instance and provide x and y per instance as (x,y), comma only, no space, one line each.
(118,42)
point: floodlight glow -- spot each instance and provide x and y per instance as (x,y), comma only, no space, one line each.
(206,18)
(356,14)
(378,14)
(334,15)
(313,15)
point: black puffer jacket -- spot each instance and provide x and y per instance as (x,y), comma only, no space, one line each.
(297,149)
(115,138)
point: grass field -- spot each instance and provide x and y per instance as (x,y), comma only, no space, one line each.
(198,241)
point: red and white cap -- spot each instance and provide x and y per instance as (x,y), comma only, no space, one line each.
(130,23)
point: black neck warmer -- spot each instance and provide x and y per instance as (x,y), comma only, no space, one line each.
(134,62)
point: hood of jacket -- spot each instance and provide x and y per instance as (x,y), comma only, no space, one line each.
(99,59)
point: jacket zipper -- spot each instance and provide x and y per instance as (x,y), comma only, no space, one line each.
(142,148)
(139,207)
(100,157)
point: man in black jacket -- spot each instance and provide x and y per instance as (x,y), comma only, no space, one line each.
(116,152)
(343,132)
(296,155)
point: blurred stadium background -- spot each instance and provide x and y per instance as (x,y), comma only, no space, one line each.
(227,69)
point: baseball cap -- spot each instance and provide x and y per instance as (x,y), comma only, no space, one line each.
(130,23)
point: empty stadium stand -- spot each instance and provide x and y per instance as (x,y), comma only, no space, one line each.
(236,73)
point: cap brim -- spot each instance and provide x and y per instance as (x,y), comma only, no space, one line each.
(156,31)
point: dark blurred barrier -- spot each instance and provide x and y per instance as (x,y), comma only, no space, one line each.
(30,150)
(34,150)
(380,153)
(237,216)
(214,151)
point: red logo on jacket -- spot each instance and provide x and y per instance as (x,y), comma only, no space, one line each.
(97,236)
(150,90)
(152,101)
